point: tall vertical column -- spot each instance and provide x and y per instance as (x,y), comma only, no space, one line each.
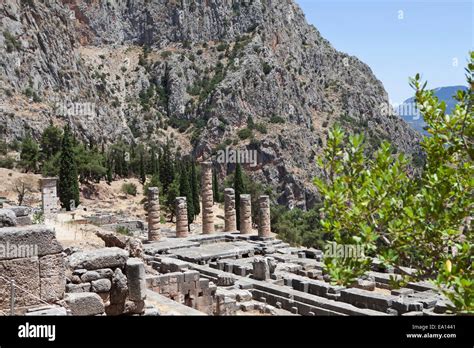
(182,230)
(207,198)
(229,210)
(49,196)
(154,214)
(264,226)
(245,214)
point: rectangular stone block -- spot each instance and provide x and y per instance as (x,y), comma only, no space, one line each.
(367,299)
(99,258)
(38,239)
(135,272)
(75,288)
(191,276)
(25,273)
(52,277)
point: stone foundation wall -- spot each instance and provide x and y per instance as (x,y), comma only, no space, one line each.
(32,257)
(108,281)
(185,287)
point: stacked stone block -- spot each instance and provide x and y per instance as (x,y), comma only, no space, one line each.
(109,273)
(49,196)
(182,230)
(32,257)
(229,210)
(207,198)
(264,227)
(153,214)
(185,287)
(245,214)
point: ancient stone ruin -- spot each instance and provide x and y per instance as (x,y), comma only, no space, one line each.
(154,218)
(207,198)
(245,214)
(179,272)
(49,196)
(181,217)
(229,210)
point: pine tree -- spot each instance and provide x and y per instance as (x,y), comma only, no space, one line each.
(239,189)
(185,191)
(195,189)
(29,153)
(50,142)
(68,186)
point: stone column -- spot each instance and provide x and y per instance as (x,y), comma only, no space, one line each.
(245,214)
(207,198)
(154,214)
(182,230)
(264,228)
(229,210)
(49,195)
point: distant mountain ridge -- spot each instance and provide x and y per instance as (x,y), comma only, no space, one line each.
(410,114)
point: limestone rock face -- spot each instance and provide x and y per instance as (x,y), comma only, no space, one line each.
(261,58)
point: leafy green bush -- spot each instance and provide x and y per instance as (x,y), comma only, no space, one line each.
(222,47)
(129,189)
(262,128)
(7,162)
(298,227)
(123,231)
(267,68)
(166,54)
(277,119)
(244,133)
(424,223)
(38,218)
(11,42)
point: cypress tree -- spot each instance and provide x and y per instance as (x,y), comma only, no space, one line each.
(195,189)
(185,191)
(68,186)
(215,186)
(167,174)
(239,189)
(154,165)
(109,171)
(142,169)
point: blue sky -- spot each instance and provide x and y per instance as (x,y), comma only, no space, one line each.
(428,38)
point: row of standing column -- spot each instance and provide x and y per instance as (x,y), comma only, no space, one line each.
(264,228)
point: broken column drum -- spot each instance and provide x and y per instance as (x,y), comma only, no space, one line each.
(229,210)
(245,214)
(182,230)
(154,214)
(264,225)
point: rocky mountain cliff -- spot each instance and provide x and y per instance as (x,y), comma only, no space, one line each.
(197,71)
